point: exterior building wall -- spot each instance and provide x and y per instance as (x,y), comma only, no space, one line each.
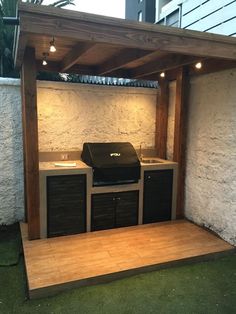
(202,15)
(140,10)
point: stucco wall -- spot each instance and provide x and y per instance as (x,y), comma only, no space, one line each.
(71,114)
(211,145)
(11,154)
(211,153)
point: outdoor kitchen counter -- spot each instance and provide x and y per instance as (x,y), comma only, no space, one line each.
(50,166)
(47,169)
(81,166)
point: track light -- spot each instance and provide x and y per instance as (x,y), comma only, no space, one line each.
(162,74)
(45,55)
(52,45)
(198,65)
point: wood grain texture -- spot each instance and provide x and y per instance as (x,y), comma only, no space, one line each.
(30,134)
(168,62)
(162,118)
(121,60)
(57,264)
(73,56)
(47,21)
(180,134)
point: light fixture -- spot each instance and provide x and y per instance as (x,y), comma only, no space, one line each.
(52,45)
(162,74)
(198,65)
(45,55)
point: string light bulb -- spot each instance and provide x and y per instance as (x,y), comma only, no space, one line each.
(45,55)
(52,46)
(162,74)
(198,65)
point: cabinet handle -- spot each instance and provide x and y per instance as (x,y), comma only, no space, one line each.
(113,198)
(118,198)
(149,177)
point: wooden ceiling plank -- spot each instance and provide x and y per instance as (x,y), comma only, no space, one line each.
(73,56)
(54,66)
(127,34)
(121,60)
(162,64)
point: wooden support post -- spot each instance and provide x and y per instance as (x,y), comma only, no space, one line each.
(180,135)
(162,118)
(30,134)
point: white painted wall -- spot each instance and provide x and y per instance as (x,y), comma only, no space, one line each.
(211,153)
(11,153)
(211,145)
(71,114)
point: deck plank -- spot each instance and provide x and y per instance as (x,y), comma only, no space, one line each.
(56,264)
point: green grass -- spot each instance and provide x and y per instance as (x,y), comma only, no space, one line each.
(208,287)
(9,245)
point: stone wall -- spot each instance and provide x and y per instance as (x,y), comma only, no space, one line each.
(211,153)
(11,153)
(71,114)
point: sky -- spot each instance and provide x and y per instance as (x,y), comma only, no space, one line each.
(114,8)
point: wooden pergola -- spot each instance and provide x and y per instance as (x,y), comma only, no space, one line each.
(97,45)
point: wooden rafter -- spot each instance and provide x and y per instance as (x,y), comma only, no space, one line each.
(84,27)
(121,60)
(73,56)
(162,64)
(76,69)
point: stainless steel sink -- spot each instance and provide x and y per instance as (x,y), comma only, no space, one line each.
(151,161)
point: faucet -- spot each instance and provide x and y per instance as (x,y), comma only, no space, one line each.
(140,151)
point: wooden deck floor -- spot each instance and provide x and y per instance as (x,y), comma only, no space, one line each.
(60,263)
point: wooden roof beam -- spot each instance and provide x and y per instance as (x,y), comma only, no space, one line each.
(121,60)
(53,66)
(162,64)
(86,27)
(73,56)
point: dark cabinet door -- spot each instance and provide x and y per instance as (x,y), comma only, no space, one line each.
(127,208)
(111,210)
(103,211)
(157,195)
(66,204)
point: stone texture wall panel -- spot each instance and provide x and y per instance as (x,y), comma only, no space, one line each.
(211,154)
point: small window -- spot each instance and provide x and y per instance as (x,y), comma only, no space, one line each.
(140,16)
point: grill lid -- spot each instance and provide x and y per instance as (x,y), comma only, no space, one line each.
(112,161)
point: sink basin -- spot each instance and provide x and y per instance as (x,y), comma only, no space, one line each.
(151,161)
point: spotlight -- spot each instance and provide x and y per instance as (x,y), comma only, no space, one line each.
(162,74)
(52,45)
(198,65)
(45,55)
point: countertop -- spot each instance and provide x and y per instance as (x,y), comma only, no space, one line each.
(80,165)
